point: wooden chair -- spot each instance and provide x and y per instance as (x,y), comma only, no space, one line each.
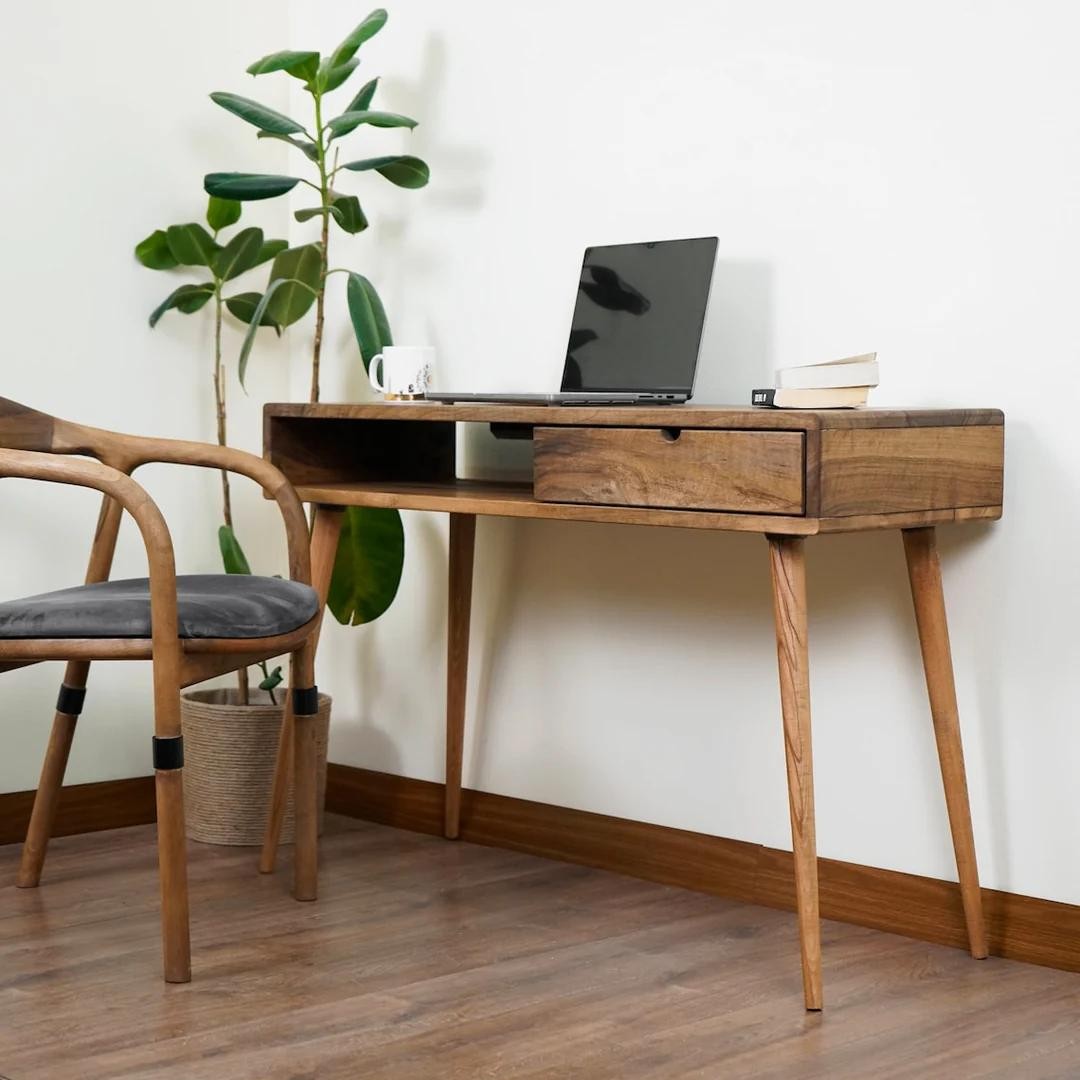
(190,628)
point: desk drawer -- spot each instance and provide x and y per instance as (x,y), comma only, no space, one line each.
(752,472)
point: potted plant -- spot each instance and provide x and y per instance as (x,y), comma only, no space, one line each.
(231,735)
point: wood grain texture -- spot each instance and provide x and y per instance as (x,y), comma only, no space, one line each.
(427,959)
(924,572)
(894,470)
(500,499)
(459,608)
(1019,927)
(787,560)
(337,454)
(697,416)
(83,808)
(755,472)
(23,428)
(172,875)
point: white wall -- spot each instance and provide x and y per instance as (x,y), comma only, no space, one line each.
(108,132)
(902,178)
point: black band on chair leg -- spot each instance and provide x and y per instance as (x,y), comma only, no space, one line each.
(305,702)
(70,700)
(168,752)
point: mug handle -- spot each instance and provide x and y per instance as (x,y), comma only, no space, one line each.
(372,378)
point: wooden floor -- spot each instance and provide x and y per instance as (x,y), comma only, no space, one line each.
(433,960)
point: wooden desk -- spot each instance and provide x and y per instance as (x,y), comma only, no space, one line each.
(786,474)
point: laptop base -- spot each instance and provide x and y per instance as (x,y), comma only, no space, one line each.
(575,398)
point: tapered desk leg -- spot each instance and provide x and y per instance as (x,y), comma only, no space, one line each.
(924,571)
(459,606)
(787,560)
(324,543)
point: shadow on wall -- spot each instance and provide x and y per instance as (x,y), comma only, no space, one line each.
(1034,706)
(737,346)
(371,741)
(458,186)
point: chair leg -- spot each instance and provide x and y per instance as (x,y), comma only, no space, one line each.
(43,815)
(172,839)
(324,543)
(279,793)
(172,868)
(305,706)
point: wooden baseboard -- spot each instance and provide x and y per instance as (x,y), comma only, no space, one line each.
(83,808)
(1020,927)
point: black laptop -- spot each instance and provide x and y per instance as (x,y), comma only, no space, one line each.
(637,327)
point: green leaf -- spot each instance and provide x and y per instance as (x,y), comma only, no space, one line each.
(349,121)
(191,245)
(348,212)
(232,554)
(301,269)
(258,319)
(153,252)
(368,316)
(247,186)
(272,681)
(330,78)
(308,212)
(188,298)
(310,150)
(401,169)
(221,213)
(270,250)
(244,306)
(366,30)
(301,65)
(367,569)
(345,210)
(239,254)
(262,116)
(362,101)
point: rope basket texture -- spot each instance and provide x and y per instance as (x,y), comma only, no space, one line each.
(229,752)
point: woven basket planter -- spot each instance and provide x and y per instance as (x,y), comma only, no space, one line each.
(229,756)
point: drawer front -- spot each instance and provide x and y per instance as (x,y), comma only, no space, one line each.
(752,472)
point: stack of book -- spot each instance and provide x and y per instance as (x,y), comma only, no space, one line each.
(835,384)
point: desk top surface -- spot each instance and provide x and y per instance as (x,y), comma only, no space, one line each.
(703,416)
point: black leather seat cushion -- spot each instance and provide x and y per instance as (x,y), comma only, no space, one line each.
(209,606)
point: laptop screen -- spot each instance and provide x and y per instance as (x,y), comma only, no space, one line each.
(639,314)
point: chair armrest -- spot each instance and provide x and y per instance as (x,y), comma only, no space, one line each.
(81,472)
(143,451)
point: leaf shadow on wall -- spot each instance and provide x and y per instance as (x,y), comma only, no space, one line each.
(404,268)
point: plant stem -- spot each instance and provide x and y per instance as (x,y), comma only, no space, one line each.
(219,402)
(242,685)
(324,193)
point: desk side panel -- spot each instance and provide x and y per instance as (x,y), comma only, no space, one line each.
(893,470)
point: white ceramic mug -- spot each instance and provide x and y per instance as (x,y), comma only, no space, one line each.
(406,371)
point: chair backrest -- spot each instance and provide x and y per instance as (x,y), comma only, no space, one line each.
(23,428)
